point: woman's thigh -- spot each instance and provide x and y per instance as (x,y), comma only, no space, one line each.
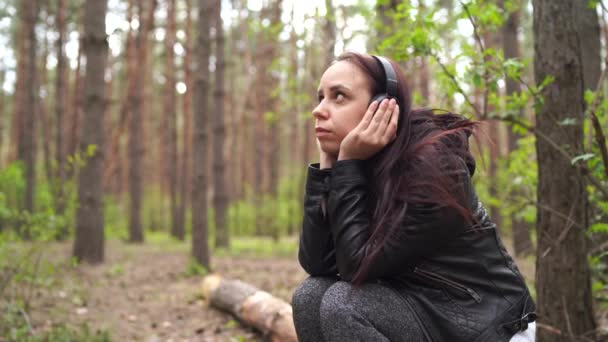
(382,307)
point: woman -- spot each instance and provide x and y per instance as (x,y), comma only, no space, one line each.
(396,243)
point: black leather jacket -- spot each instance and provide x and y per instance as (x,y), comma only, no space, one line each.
(456,277)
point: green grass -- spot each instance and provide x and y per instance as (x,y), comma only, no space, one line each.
(251,246)
(260,247)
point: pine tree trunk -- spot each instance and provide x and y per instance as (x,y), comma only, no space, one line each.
(113,178)
(272,105)
(60,107)
(89,241)
(186,165)
(522,243)
(561,248)
(41,106)
(2,117)
(222,236)
(200,245)
(171,114)
(17,122)
(28,147)
(136,124)
(76,110)
(329,30)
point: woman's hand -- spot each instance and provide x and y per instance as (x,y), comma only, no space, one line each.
(326,161)
(373,132)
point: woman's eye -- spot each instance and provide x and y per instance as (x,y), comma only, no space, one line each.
(320,98)
(339,97)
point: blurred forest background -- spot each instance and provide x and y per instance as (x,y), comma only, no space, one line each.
(144,143)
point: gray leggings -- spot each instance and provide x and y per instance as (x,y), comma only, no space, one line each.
(325,309)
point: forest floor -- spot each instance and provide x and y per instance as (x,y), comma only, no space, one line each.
(152,292)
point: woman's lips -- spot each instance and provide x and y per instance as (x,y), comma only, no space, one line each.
(321,131)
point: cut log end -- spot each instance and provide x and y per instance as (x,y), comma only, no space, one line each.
(259,309)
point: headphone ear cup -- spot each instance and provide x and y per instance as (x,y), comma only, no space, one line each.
(378,97)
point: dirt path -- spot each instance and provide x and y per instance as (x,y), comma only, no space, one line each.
(142,293)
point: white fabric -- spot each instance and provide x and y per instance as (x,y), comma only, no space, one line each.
(528,335)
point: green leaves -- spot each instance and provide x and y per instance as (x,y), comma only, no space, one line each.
(582,157)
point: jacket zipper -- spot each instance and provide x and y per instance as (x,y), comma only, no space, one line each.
(447,282)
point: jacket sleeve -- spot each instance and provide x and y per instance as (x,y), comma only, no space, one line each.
(316,253)
(427,228)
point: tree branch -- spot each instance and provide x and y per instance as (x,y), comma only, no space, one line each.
(584,170)
(599,133)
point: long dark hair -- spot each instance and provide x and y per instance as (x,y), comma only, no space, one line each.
(411,171)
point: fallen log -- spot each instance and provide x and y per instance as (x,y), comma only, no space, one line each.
(253,307)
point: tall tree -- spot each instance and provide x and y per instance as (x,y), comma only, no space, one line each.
(561,197)
(522,244)
(171,118)
(75,119)
(329,32)
(589,36)
(60,107)
(136,123)
(89,241)
(3,104)
(186,165)
(27,141)
(200,245)
(222,236)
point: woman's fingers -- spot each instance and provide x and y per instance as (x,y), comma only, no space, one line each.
(367,117)
(377,118)
(391,127)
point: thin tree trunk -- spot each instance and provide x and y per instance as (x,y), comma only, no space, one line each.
(136,124)
(492,41)
(171,117)
(60,107)
(522,244)
(113,178)
(2,115)
(562,257)
(89,241)
(28,147)
(200,245)
(186,165)
(16,153)
(41,105)
(222,236)
(272,103)
(329,30)
(76,112)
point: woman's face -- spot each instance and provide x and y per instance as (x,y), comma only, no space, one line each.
(343,94)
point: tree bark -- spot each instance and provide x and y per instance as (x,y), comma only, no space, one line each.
(136,124)
(89,241)
(2,115)
(329,31)
(222,236)
(74,121)
(186,166)
(561,248)
(200,245)
(27,147)
(522,244)
(171,118)
(60,108)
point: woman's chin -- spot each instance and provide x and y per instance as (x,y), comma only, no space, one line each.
(330,148)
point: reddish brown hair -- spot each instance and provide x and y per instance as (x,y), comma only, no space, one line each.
(411,171)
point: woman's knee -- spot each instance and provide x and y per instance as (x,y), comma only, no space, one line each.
(310,291)
(335,300)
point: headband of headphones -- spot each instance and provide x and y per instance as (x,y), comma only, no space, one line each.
(391,76)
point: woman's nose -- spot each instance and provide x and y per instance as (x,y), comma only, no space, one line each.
(320,113)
